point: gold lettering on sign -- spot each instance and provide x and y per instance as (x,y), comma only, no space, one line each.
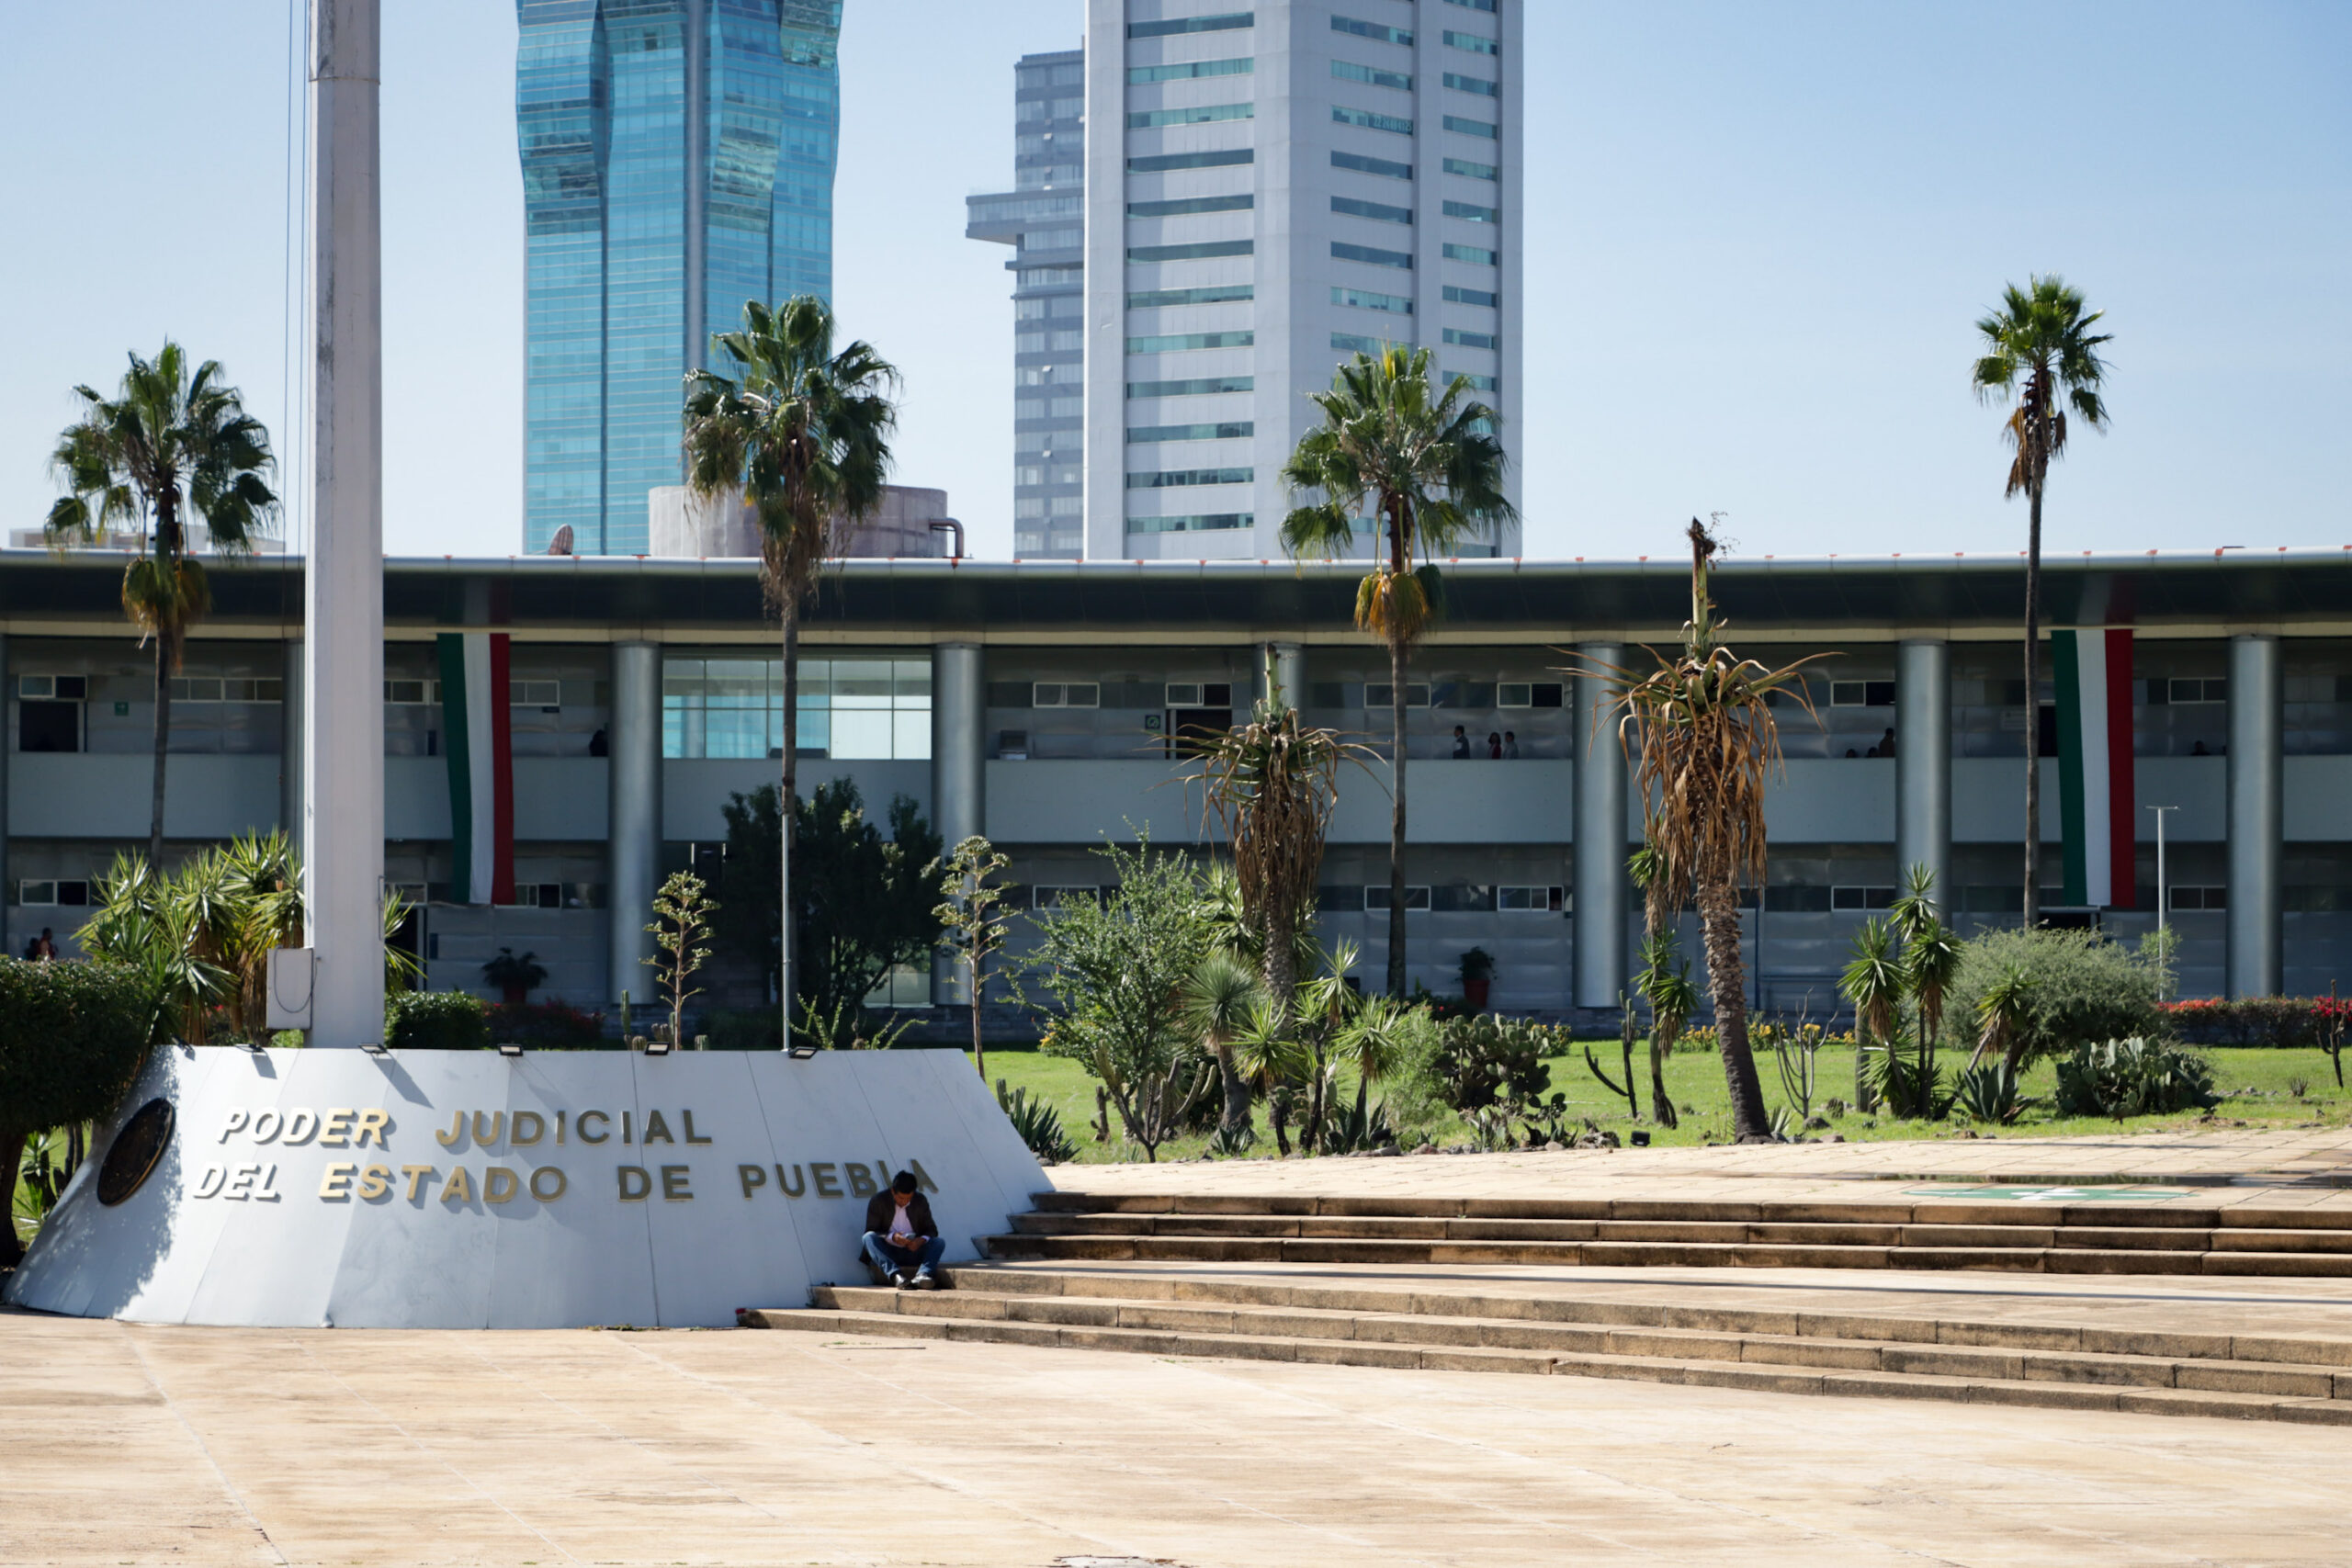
(673,1185)
(656,1129)
(795,1187)
(861,1182)
(459,1187)
(822,1173)
(751,1176)
(375,1182)
(635,1183)
(559,1127)
(300,1124)
(626,1138)
(536,1123)
(418,1175)
(690,1128)
(378,1122)
(547,1191)
(499,1185)
(923,1177)
(497,1129)
(233,1123)
(336,1182)
(455,1135)
(335,1131)
(597,1116)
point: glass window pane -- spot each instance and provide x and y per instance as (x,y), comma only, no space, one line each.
(910,735)
(911,680)
(860,733)
(816,732)
(862,682)
(816,679)
(682,677)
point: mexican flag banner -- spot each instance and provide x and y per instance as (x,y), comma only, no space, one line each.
(476,733)
(2093,666)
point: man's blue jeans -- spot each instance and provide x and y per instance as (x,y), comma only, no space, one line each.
(891,1260)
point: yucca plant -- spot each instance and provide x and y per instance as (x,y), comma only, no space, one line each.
(1666,985)
(1426,467)
(1872,981)
(2005,1018)
(1931,954)
(1268,1059)
(1700,734)
(1321,1008)
(170,445)
(1219,1000)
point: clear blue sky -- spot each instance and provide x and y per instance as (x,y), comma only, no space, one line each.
(1757,237)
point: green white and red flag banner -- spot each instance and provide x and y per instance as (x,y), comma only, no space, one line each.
(476,727)
(2093,666)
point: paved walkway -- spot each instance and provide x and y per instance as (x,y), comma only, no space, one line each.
(2307,1167)
(142,1444)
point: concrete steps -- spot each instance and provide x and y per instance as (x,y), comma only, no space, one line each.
(2275,1376)
(2092,1238)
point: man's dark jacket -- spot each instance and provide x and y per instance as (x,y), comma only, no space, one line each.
(878,1214)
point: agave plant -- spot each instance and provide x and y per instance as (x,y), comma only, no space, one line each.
(1038,1124)
(1700,734)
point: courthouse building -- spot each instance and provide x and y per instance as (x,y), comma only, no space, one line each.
(1035,702)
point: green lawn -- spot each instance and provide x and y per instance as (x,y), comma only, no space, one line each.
(2257,1083)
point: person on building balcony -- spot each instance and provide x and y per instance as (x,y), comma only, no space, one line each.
(1461,745)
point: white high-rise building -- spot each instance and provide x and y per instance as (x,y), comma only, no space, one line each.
(1269,191)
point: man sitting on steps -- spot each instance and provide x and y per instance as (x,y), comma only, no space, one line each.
(903,1244)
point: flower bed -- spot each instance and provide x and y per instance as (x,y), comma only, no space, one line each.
(2257,1021)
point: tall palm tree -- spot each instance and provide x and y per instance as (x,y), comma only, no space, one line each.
(2040,350)
(1701,735)
(170,445)
(1430,469)
(802,433)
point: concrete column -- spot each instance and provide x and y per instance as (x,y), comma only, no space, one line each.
(342,685)
(958,802)
(290,749)
(1600,968)
(634,837)
(7,744)
(1290,671)
(2256,816)
(1923,763)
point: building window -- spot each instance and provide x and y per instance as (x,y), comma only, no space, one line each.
(1472,296)
(1065,694)
(1171,478)
(849,708)
(1148,253)
(1222,157)
(1851,898)
(1530,900)
(1528,693)
(1197,694)
(413,693)
(1186,205)
(1485,5)
(1477,383)
(1235,431)
(1473,128)
(1221,22)
(1368,121)
(1177,342)
(61,895)
(2186,898)
(1469,170)
(905,985)
(1861,693)
(1472,212)
(1365,300)
(1047,895)
(2177,691)
(1374,257)
(1477,84)
(1349,70)
(1354,342)
(1469,340)
(1141,75)
(1472,254)
(1199,114)
(1379,30)
(1378,695)
(1349,207)
(1195,523)
(1386,167)
(1375,898)
(1196,386)
(1477,43)
(1214,294)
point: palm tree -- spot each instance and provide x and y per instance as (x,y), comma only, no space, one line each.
(1271,784)
(1429,469)
(802,435)
(2039,349)
(169,445)
(1219,1000)
(1930,961)
(1701,738)
(1873,983)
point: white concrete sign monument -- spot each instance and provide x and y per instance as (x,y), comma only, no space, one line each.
(468,1190)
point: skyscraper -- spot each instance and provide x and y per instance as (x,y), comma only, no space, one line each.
(677,160)
(1043,218)
(1268,192)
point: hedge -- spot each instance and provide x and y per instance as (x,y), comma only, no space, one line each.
(436,1020)
(72,1038)
(2256,1020)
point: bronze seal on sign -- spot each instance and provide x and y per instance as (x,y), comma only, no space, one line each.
(136,1152)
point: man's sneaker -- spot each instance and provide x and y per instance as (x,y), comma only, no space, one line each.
(926,1282)
(899,1279)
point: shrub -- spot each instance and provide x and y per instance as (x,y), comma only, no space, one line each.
(2083,987)
(2134,1077)
(1485,1059)
(1038,1124)
(1988,1092)
(436,1020)
(2253,1021)
(1414,1093)
(545,1026)
(72,1038)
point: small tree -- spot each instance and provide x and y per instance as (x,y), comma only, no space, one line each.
(72,1038)
(975,920)
(682,913)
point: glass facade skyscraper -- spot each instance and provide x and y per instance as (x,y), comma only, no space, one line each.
(677,160)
